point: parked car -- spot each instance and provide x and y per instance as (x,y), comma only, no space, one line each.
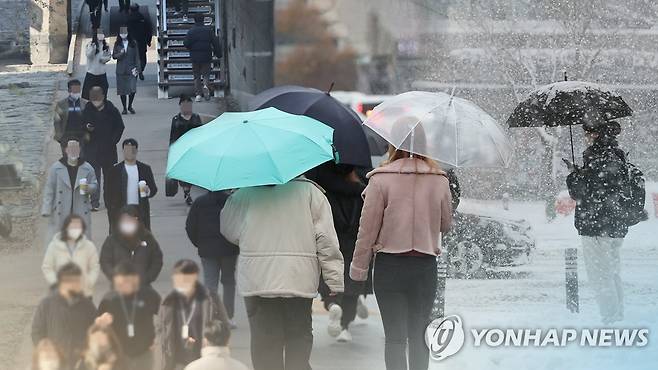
(479,241)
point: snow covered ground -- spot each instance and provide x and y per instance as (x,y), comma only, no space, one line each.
(535,298)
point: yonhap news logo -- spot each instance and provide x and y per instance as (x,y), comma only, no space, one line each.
(446,336)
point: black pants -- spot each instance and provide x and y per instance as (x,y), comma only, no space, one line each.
(124,5)
(221,269)
(281,332)
(95,17)
(141,48)
(405,287)
(101,170)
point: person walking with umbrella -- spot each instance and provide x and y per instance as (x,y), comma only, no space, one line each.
(343,190)
(599,189)
(409,204)
(408,187)
(281,221)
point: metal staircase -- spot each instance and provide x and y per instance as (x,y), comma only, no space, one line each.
(174,65)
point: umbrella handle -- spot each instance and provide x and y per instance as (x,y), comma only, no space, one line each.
(573,155)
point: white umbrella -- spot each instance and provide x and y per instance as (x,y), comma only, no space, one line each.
(448,129)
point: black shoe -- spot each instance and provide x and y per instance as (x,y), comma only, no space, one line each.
(188,199)
(131,110)
(141,76)
(124,111)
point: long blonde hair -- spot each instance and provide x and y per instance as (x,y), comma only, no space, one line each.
(395,154)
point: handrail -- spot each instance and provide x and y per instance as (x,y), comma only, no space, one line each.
(163,9)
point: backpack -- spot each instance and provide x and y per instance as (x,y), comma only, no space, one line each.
(633,196)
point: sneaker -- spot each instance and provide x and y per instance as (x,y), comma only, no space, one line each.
(95,209)
(131,110)
(344,336)
(188,199)
(335,314)
(361,309)
(124,111)
(198,98)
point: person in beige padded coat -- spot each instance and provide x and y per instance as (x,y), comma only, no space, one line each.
(286,238)
(71,245)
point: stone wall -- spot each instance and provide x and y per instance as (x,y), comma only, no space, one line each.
(14,29)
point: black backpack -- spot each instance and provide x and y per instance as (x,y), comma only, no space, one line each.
(633,196)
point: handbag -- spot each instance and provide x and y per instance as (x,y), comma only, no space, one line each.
(171,187)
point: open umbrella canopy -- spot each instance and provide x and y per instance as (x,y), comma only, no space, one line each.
(349,139)
(567,103)
(236,150)
(451,130)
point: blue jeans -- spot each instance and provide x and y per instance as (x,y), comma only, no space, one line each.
(224,266)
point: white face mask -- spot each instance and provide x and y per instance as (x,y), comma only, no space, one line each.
(75,96)
(184,290)
(128,228)
(74,233)
(123,35)
(48,364)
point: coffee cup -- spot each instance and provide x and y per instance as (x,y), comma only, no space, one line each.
(142,189)
(83,186)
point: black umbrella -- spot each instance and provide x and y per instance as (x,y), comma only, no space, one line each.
(349,138)
(568,103)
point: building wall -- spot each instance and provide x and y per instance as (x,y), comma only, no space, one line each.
(249,34)
(14,29)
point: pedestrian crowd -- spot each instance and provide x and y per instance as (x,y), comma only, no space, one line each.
(334,231)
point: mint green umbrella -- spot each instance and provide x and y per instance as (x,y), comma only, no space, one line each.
(236,150)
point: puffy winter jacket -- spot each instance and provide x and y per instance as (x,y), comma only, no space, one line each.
(144,253)
(597,189)
(286,236)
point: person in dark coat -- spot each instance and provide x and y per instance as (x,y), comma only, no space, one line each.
(597,188)
(132,242)
(218,256)
(183,315)
(95,12)
(128,68)
(65,315)
(131,309)
(181,123)
(123,186)
(105,126)
(141,29)
(202,42)
(343,190)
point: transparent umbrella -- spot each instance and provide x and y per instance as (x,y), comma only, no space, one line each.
(443,127)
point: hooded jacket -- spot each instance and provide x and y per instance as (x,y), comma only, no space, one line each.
(407,206)
(286,237)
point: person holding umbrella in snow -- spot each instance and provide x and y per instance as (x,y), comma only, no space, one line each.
(599,188)
(408,187)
